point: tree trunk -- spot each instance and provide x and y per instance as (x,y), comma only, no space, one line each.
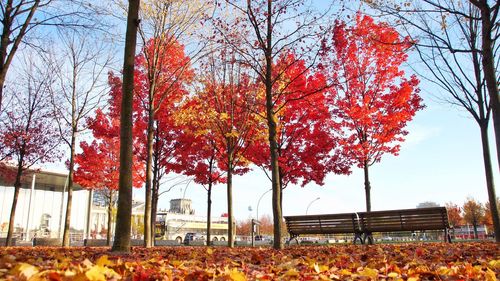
(124,213)
(488,61)
(474,225)
(154,208)
(367,188)
(230,220)
(17,187)
(209,212)
(110,218)
(2,82)
(490,183)
(273,143)
(69,203)
(281,187)
(3,71)
(156,185)
(149,172)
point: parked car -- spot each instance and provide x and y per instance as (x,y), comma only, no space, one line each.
(263,238)
(192,236)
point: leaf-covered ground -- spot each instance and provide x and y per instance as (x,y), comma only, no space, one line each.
(433,261)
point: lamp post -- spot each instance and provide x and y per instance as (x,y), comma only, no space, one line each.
(307,209)
(258,203)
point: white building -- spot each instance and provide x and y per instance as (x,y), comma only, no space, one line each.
(41,208)
(41,205)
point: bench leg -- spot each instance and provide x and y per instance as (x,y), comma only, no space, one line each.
(369,237)
(292,237)
(447,235)
(356,237)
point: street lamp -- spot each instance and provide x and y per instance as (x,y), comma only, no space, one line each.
(307,209)
(258,202)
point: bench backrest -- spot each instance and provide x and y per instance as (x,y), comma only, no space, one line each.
(435,218)
(323,224)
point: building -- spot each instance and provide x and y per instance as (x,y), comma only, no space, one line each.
(41,208)
(180,219)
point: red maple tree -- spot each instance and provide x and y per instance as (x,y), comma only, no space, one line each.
(371,94)
(99,162)
(222,116)
(162,74)
(196,156)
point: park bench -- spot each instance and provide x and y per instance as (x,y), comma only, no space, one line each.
(421,219)
(42,241)
(324,224)
(364,224)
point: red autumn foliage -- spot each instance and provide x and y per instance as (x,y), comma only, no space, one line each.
(220,119)
(307,147)
(98,163)
(371,96)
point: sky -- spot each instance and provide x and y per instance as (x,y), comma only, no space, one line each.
(441,161)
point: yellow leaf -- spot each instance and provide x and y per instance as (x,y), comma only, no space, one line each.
(490,275)
(413,279)
(369,272)
(100,273)
(210,251)
(96,274)
(495,264)
(104,261)
(177,263)
(223,116)
(392,275)
(345,272)
(236,275)
(25,269)
(292,273)
(323,268)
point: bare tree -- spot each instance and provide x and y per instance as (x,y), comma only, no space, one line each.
(81,84)
(109,196)
(451,44)
(21,18)
(124,212)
